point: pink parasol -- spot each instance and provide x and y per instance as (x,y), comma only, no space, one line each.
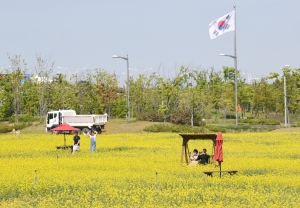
(218,150)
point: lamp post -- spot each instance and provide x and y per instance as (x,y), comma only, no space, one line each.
(284,93)
(128,86)
(69,72)
(235,82)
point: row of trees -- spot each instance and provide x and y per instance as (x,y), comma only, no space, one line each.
(187,98)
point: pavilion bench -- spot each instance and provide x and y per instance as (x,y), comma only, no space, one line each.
(64,147)
(210,173)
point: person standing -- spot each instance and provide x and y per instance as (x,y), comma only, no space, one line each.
(92,134)
(76,146)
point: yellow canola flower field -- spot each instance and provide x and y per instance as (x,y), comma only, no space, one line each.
(143,170)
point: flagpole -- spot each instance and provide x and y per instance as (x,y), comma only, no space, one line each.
(235,67)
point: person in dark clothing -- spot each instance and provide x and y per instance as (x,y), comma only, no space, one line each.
(76,146)
(203,157)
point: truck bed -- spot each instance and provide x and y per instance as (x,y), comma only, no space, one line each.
(88,120)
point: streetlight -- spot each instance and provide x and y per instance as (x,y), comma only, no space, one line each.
(69,72)
(284,92)
(128,85)
(235,81)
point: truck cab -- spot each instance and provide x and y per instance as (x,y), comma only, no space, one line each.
(54,118)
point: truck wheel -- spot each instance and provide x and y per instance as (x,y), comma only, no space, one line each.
(85,130)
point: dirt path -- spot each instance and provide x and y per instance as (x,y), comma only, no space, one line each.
(294,129)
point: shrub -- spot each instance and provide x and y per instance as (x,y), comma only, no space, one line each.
(180,117)
(230,116)
(260,121)
(7,128)
(151,116)
(216,128)
(297,124)
(174,128)
(242,128)
(23,118)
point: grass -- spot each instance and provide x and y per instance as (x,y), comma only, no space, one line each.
(115,126)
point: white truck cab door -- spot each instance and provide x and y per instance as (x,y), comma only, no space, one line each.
(49,118)
(52,118)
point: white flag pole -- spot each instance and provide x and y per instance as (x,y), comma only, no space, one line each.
(235,67)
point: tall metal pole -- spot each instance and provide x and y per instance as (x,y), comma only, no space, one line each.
(235,66)
(128,87)
(285,109)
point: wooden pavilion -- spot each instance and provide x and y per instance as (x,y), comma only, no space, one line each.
(187,137)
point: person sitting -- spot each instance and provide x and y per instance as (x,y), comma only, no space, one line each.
(194,157)
(18,132)
(203,157)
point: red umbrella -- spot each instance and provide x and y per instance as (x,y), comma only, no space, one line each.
(219,151)
(64,128)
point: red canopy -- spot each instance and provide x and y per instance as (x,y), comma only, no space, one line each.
(64,127)
(219,151)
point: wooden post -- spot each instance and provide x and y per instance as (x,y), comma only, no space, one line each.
(184,151)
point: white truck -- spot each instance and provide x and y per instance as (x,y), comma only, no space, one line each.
(82,122)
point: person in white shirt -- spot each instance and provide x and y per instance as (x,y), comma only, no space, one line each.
(92,134)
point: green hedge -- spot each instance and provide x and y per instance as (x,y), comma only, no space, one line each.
(174,128)
(216,128)
(260,121)
(23,118)
(6,128)
(244,128)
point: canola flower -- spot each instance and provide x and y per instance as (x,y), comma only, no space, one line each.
(143,170)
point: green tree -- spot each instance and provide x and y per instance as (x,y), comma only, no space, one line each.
(15,88)
(107,89)
(42,81)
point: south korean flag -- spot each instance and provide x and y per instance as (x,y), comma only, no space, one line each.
(222,25)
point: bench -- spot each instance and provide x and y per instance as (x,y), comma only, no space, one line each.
(64,147)
(210,173)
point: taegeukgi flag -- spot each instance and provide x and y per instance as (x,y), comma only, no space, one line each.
(222,25)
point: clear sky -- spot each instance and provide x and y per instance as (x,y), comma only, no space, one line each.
(165,34)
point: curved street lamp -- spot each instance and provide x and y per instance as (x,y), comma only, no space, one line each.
(284,93)
(128,85)
(235,83)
